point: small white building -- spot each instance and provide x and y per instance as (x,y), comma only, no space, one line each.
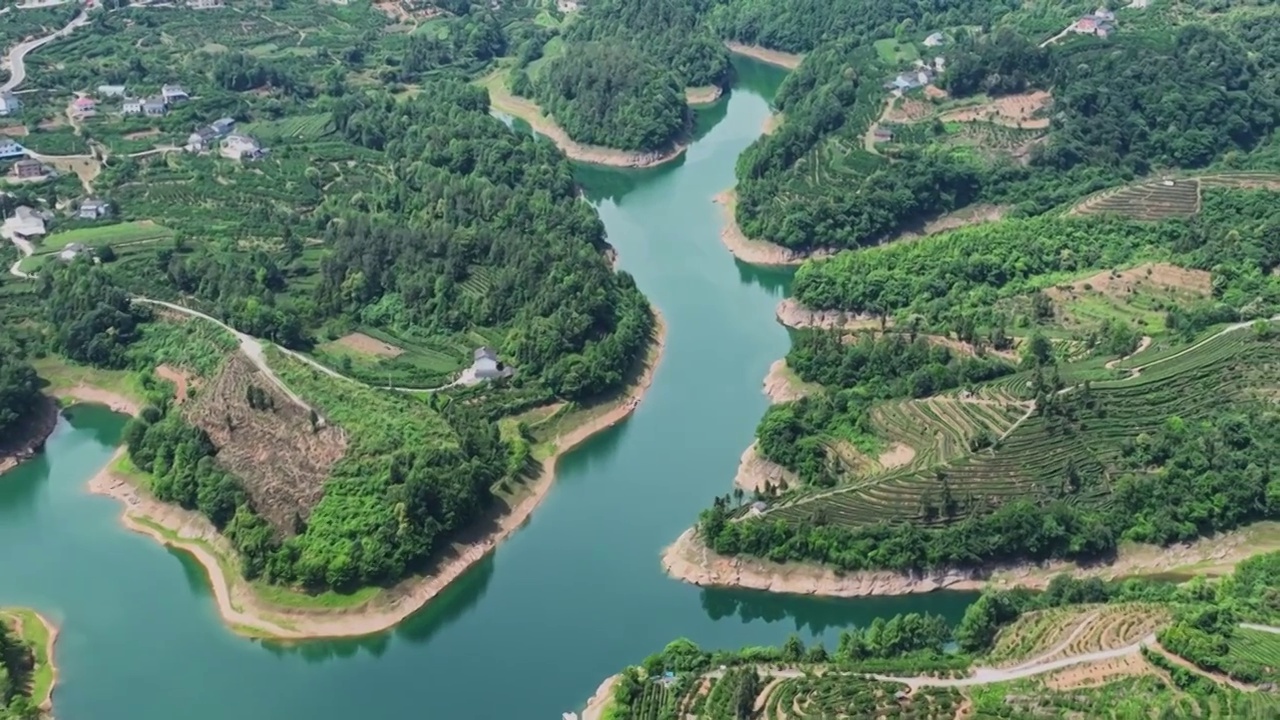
(9,104)
(241,147)
(93,209)
(72,251)
(83,107)
(131,106)
(487,366)
(10,148)
(173,94)
(107,91)
(204,4)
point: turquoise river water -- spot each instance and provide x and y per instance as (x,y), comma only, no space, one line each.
(531,631)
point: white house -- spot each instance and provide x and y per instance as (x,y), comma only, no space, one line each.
(204,4)
(93,209)
(131,106)
(241,147)
(72,251)
(174,94)
(487,366)
(9,104)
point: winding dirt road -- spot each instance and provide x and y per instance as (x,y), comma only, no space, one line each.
(16,60)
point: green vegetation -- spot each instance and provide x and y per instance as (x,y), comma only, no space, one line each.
(901,667)
(26,674)
(813,184)
(19,389)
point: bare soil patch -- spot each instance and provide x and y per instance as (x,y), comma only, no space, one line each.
(178,378)
(906,110)
(793,314)
(366,345)
(1090,675)
(1122,284)
(53,123)
(897,455)
(772,123)
(971,215)
(782,385)
(14,130)
(1017,111)
(282,459)
(773,57)
(933,91)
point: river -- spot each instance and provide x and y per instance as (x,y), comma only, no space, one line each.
(529,633)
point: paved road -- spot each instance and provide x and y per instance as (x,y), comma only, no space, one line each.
(17,56)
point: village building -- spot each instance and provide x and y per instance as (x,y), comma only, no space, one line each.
(935,40)
(173,94)
(154,107)
(202,139)
(131,106)
(107,91)
(72,251)
(1100,23)
(204,4)
(10,148)
(241,147)
(222,126)
(9,104)
(26,223)
(487,366)
(83,107)
(883,135)
(93,209)
(25,169)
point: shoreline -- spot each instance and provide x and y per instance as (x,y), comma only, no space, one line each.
(502,100)
(787,60)
(601,700)
(703,95)
(756,252)
(42,425)
(246,613)
(45,703)
(793,314)
(689,560)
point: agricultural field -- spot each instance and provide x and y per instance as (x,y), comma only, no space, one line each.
(139,231)
(846,696)
(1258,648)
(1029,456)
(1058,633)
(401,360)
(303,128)
(1163,199)
(894,52)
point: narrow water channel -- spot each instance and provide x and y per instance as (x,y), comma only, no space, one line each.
(530,632)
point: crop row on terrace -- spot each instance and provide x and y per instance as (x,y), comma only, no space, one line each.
(946,480)
(850,696)
(1259,648)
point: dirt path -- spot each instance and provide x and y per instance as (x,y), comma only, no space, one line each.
(1143,345)
(1192,667)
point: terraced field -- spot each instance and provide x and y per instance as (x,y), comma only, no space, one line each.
(1049,635)
(1031,451)
(847,696)
(1258,648)
(1165,199)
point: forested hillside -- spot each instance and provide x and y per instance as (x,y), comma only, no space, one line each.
(17,667)
(1131,104)
(19,391)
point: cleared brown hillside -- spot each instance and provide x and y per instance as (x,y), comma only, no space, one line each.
(273,449)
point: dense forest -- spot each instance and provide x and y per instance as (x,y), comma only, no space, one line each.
(17,663)
(1121,108)
(613,94)
(19,388)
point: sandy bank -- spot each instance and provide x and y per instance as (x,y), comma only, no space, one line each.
(755,472)
(782,385)
(704,95)
(786,60)
(600,700)
(690,560)
(97,396)
(793,314)
(248,614)
(772,123)
(755,252)
(29,439)
(504,101)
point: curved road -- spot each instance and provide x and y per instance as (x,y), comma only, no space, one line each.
(16,60)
